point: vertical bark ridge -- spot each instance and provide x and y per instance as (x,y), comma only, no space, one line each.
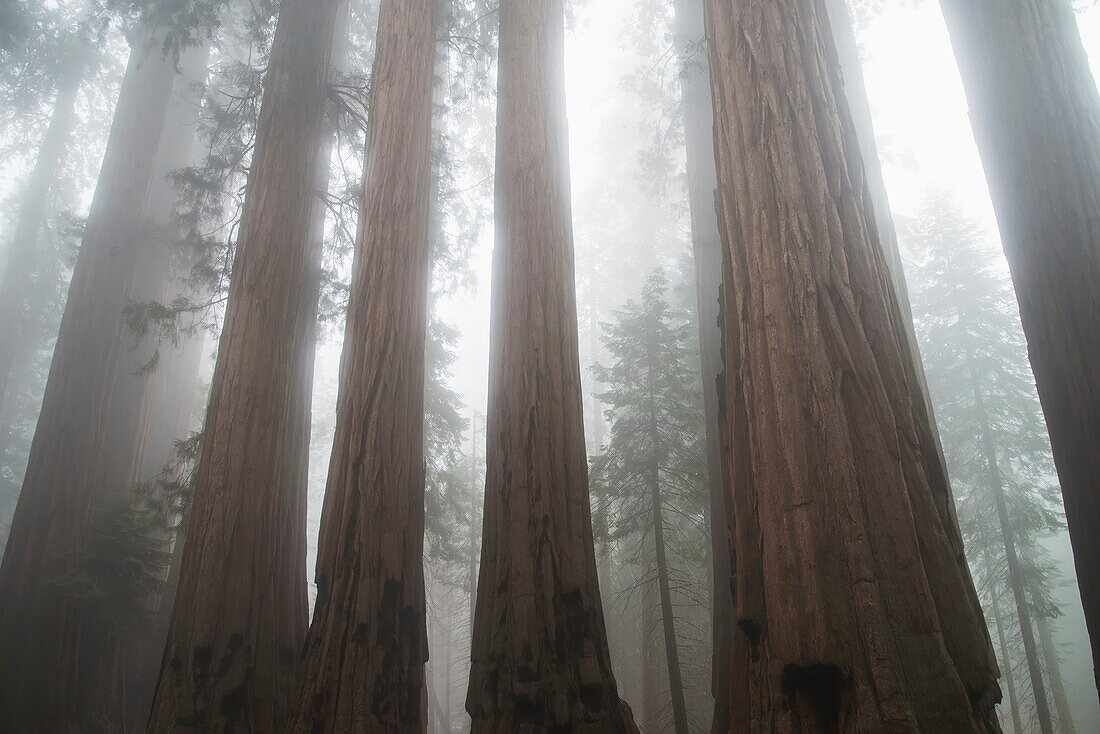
(854,608)
(363,668)
(540,656)
(240,614)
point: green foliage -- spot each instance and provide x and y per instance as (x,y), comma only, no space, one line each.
(118,570)
(969,330)
(116,575)
(654,406)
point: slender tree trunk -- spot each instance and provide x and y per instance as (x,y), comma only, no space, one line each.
(668,620)
(540,656)
(1035,112)
(38,629)
(32,214)
(370,564)
(652,697)
(240,615)
(1054,674)
(1015,580)
(707,250)
(1006,661)
(854,608)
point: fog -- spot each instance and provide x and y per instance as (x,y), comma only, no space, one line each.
(631,217)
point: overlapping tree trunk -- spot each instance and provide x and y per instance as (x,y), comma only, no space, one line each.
(540,656)
(706,248)
(363,668)
(1035,113)
(240,614)
(854,607)
(42,635)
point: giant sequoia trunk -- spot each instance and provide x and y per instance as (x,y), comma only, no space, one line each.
(240,613)
(540,656)
(1035,112)
(363,669)
(32,214)
(854,608)
(44,637)
(706,246)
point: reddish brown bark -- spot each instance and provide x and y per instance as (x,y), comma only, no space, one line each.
(240,613)
(363,668)
(540,656)
(1035,112)
(854,608)
(48,644)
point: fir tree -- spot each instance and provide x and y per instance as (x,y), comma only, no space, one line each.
(651,477)
(994,437)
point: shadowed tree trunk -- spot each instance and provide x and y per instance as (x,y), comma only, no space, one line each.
(707,251)
(1054,673)
(32,214)
(1035,113)
(540,656)
(1015,580)
(668,620)
(43,636)
(854,608)
(1010,682)
(240,613)
(363,669)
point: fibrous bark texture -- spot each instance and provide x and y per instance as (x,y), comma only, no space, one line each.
(240,613)
(1036,113)
(47,650)
(854,607)
(363,668)
(706,248)
(540,656)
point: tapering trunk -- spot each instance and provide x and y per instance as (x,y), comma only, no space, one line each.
(668,620)
(707,251)
(653,698)
(370,578)
(854,608)
(1006,662)
(1035,112)
(540,656)
(51,644)
(1053,665)
(32,214)
(855,93)
(1015,579)
(240,613)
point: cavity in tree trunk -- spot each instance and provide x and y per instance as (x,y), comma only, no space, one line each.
(43,636)
(363,669)
(1035,113)
(240,614)
(1015,579)
(540,656)
(854,608)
